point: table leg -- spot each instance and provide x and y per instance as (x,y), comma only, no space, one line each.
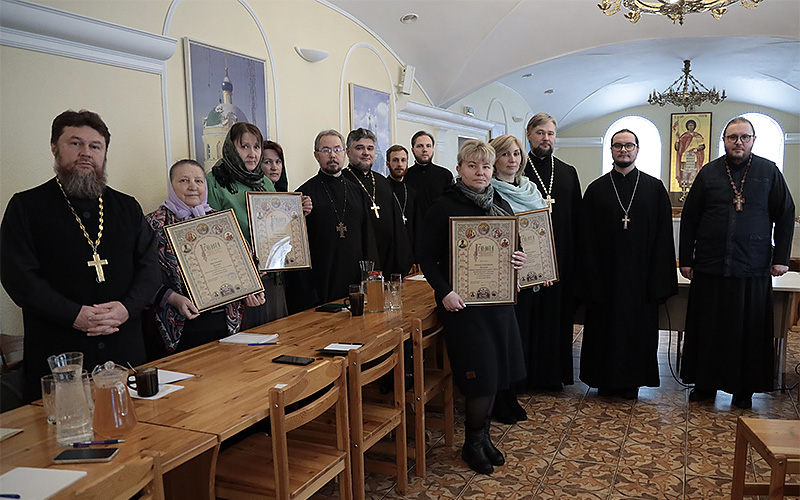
(739,463)
(182,481)
(777,478)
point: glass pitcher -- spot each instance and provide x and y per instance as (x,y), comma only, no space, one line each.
(73,417)
(114,414)
(374,285)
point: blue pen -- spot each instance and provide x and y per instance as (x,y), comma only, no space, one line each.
(265,343)
(9,495)
(92,443)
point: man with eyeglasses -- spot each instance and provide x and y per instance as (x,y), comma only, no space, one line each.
(628,269)
(391,240)
(339,232)
(737,206)
(553,306)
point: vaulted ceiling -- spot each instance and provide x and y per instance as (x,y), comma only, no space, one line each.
(594,64)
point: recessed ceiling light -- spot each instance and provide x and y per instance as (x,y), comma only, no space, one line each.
(409,18)
(548,91)
(527,75)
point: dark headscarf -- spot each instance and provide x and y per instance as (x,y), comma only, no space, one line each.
(231,169)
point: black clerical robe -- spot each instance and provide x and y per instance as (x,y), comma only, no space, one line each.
(553,307)
(430,181)
(334,259)
(628,273)
(729,321)
(391,241)
(43,266)
(406,198)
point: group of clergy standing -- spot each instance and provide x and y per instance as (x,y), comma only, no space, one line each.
(81,260)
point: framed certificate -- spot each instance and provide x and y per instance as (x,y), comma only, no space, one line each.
(536,236)
(214,259)
(480,259)
(278,231)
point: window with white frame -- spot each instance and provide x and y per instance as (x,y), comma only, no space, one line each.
(770,138)
(649,157)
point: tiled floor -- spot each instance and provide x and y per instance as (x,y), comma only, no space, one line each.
(576,445)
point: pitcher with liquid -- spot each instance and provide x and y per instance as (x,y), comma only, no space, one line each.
(73,417)
(114,414)
(374,286)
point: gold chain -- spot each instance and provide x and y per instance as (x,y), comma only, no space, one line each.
(94,244)
(374,185)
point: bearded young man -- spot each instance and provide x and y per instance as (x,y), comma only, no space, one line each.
(78,257)
(737,206)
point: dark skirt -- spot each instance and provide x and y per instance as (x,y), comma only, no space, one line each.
(207,327)
(729,342)
(484,348)
(274,307)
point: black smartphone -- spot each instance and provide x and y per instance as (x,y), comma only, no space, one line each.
(84,455)
(293,360)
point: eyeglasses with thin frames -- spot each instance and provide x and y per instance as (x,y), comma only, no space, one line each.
(629,146)
(328,151)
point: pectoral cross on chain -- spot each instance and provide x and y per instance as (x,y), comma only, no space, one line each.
(550,202)
(738,200)
(375,208)
(404,219)
(98,264)
(625,221)
(341,229)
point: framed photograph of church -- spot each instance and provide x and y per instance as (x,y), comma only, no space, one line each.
(372,109)
(480,259)
(222,88)
(278,231)
(690,135)
(214,259)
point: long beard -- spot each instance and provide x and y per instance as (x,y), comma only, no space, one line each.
(542,153)
(361,167)
(82,183)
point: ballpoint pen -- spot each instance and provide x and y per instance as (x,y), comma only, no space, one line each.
(92,443)
(264,343)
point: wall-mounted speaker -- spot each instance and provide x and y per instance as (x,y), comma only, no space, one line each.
(407,79)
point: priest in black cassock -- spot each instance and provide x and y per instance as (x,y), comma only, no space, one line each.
(427,178)
(628,267)
(404,195)
(554,306)
(394,249)
(339,232)
(78,257)
(737,205)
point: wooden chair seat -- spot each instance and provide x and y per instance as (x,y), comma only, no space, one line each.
(778,442)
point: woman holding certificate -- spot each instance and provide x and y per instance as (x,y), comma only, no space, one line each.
(483,342)
(180,325)
(236,173)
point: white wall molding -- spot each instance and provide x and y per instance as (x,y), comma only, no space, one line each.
(52,31)
(792,138)
(344,89)
(579,142)
(440,117)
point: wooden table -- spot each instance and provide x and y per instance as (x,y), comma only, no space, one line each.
(184,454)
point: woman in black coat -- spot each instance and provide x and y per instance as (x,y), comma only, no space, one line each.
(483,342)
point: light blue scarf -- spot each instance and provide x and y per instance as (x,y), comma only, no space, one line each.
(522,198)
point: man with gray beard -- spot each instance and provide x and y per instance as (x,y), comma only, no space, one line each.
(78,257)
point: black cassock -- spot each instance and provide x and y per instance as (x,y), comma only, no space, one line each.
(44,270)
(550,322)
(626,274)
(406,199)
(430,181)
(334,260)
(394,249)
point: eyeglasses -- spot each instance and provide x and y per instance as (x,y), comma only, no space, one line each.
(542,133)
(328,151)
(628,146)
(735,138)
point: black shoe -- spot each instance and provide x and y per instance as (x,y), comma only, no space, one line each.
(701,395)
(743,401)
(517,410)
(631,393)
(501,411)
(492,453)
(605,393)
(474,451)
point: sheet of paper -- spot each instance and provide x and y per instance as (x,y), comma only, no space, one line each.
(163,390)
(342,347)
(417,277)
(37,484)
(168,377)
(249,338)
(7,433)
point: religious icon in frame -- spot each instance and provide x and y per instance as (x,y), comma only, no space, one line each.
(372,110)
(536,237)
(690,135)
(278,231)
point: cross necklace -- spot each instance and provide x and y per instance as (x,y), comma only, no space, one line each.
(340,227)
(738,199)
(405,202)
(372,197)
(625,219)
(549,191)
(96,261)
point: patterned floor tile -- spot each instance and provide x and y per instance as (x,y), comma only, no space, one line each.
(518,478)
(536,440)
(707,488)
(653,456)
(649,484)
(576,480)
(594,440)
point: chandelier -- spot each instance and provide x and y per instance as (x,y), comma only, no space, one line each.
(674,9)
(686,91)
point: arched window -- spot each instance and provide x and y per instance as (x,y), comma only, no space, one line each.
(769,138)
(649,157)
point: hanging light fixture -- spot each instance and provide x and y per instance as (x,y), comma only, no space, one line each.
(686,91)
(674,9)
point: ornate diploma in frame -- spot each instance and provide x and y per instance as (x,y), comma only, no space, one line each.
(536,236)
(480,259)
(214,259)
(278,231)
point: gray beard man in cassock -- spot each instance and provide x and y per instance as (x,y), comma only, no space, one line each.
(78,257)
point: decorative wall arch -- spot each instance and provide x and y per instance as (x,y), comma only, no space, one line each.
(344,89)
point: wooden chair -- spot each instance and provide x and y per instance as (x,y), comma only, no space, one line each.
(778,442)
(137,476)
(284,465)
(370,421)
(432,377)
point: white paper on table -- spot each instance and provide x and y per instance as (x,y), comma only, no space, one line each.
(417,277)
(168,377)
(342,347)
(7,433)
(37,484)
(249,338)
(163,390)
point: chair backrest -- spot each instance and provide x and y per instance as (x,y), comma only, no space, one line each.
(316,389)
(424,335)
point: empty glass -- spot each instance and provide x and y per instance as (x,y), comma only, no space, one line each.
(49,398)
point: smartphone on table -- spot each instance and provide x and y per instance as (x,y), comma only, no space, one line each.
(86,455)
